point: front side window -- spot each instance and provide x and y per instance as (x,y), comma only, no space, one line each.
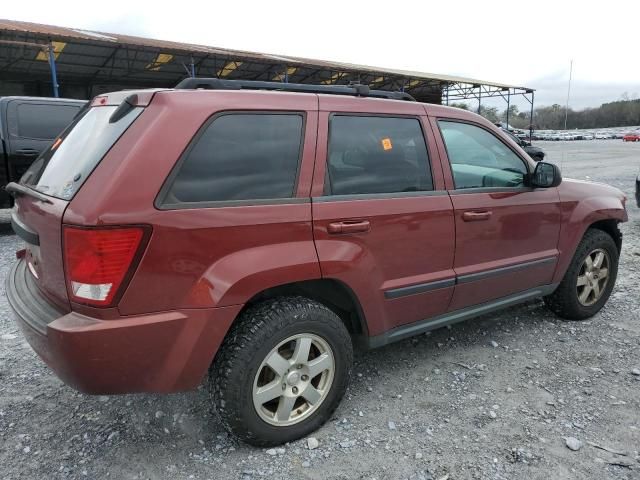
(478,159)
(241,157)
(376,155)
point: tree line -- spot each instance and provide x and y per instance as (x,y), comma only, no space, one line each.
(621,113)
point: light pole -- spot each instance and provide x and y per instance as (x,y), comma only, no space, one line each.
(566,109)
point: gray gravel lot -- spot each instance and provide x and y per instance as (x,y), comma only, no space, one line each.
(518,394)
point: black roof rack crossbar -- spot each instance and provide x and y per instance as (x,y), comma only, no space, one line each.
(354,90)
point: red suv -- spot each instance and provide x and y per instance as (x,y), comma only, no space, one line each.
(224,227)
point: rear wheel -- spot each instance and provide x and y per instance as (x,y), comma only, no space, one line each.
(589,280)
(281,371)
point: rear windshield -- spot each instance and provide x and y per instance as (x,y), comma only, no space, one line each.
(62,169)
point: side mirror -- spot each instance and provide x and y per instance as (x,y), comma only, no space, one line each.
(546,175)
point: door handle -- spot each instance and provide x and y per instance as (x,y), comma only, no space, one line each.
(27,152)
(349,226)
(476,216)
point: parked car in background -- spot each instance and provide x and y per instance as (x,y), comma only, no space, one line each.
(603,136)
(27,127)
(583,136)
(631,137)
(337,219)
(546,136)
(536,153)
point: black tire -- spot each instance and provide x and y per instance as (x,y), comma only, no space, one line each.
(564,301)
(258,330)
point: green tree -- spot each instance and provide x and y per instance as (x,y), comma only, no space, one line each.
(490,113)
(621,113)
(513,112)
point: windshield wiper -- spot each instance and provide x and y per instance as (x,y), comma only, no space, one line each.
(15,190)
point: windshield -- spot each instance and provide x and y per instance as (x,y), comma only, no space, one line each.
(62,169)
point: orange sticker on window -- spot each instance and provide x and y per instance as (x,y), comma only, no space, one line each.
(386,144)
(56,143)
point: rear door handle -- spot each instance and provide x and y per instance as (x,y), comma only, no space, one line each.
(349,226)
(476,216)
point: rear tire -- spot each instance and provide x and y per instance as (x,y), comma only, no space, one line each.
(585,289)
(306,387)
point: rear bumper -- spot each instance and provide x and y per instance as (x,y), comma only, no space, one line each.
(159,352)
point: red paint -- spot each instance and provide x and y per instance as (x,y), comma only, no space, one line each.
(200,266)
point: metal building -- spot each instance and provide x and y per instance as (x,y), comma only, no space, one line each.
(45,60)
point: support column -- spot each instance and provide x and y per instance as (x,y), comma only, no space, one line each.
(508,106)
(531,119)
(52,66)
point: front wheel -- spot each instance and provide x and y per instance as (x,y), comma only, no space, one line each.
(589,280)
(281,371)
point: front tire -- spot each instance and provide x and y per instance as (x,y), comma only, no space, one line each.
(589,280)
(281,371)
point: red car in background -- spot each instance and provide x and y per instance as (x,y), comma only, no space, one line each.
(631,137)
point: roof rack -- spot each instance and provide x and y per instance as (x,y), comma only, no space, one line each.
(356,90)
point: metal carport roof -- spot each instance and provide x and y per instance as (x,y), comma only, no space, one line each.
(90,62)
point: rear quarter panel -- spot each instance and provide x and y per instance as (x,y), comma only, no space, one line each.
(202,257)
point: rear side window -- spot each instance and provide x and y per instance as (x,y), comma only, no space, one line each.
(62,169)
(376,155)
(240,156)
(44,122)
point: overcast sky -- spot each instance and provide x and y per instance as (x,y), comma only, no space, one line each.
(522,43)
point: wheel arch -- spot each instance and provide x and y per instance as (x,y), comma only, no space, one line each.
(573,232)
(335,294)
(611,227)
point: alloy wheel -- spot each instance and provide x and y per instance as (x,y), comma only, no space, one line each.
(593,277)
(293,380)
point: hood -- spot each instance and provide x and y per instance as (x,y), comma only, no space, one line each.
(572,189)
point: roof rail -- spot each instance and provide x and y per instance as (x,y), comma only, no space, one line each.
(356,90)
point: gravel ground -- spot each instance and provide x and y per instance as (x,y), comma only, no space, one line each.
(518,394)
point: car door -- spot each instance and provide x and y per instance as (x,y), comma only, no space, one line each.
(31,126)
(382,220)
(506,232)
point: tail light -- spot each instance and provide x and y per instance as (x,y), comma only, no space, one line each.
(98,262)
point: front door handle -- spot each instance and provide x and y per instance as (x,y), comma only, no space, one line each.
(27,152)
(476,216)
(349,226)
